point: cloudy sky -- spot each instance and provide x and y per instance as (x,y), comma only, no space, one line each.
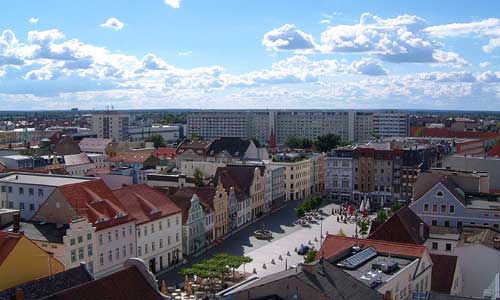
(250,54)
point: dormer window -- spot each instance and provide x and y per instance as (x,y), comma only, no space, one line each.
(120,215)
(439,194)
(155,211)
(102,219)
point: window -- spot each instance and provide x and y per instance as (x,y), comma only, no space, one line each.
(109,236)
(110,256)
(434,246)
(446,223)
(130,229)
(32,206)
(31,191)
(80,253)
(443,208)
(139,250)
(116,234)
(131,249)
(153,228)
(100,239)
(124,251)
(90,250)
(3,188)
(161,243)
(9,189)
(117,253)
(176,236)
(177,220)
(21,206)
(72,242)
(123,232)
(168,223)
(40,193)
(160,226)
(138,232)
(146,249)
(168,240)
(452,209)
(439,194)
(21,191)
(73,256)
(434,208)
(153,247)
(459,224)
(434,223)
(145,231)
(80,239)
(448,247)
(101,259)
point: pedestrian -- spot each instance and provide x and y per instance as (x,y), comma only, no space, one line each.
(337,219)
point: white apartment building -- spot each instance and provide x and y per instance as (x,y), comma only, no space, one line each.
(111,124)
(339,178)
(169,133)
(28,191)
(158,225)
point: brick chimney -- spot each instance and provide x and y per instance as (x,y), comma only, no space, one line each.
(19,294)
(16,222)
(388,295)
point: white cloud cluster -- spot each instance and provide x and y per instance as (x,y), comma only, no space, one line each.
(113,23)
(173,3)
(399,40)
(33,20)
(288,37)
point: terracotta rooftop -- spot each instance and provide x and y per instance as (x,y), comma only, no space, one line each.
(443,271)
(95,201)
(137,157)
(495,151)
(402,227)
(240,177)
(165,152)
(145,203)
(194,145)
(335,245)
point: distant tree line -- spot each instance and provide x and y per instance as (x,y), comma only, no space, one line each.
(322,143)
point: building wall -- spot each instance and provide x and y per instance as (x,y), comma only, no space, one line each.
(297,179)
(26,262)
(221,212)
(479,164)
(208,168)
(114,246)
(257,193)
(159,241)
(110,124)
(339,176)
(438,210)
(479,265)
(27,202)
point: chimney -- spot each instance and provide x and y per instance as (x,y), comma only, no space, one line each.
(422,229)
(16,222)
(388,295)
(19,294)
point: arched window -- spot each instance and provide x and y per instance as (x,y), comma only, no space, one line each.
(439,194)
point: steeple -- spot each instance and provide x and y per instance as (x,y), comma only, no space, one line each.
(272,139)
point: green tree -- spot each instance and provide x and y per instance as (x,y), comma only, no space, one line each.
(363,227)
(381,216)
(299,212)
(395,206)
(310,255)
(327,142)
(174,118)
(157,141)
(306,144)
(293,142)
(341,232)
(198,177)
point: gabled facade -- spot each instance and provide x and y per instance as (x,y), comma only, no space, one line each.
(21,260)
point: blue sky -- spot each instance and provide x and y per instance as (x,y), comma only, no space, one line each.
(250,54)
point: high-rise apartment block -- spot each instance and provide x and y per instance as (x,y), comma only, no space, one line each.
(351,126)
(111,124)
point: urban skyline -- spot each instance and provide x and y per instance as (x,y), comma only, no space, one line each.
(257,55)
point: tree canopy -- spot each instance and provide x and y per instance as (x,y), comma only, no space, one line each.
(328,142)
(216,267)
(198,177)
(157,141)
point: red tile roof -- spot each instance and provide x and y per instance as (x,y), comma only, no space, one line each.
(195,145)
(165,153)
(127,284)
(145,203)
(135,157)
(401,227)
(8,242)
(495,151)
(443,271)
(95,201)
(446,133)
(334,245)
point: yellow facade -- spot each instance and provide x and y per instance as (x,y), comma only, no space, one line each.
(26,262)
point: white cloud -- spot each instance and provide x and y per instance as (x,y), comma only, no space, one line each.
(113,23)
(33,20)
(367,66)
(185,53)
(489,76)
(288,37)
(173,3)
(485,64)
(488,28)
(325,21)
(152,62)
